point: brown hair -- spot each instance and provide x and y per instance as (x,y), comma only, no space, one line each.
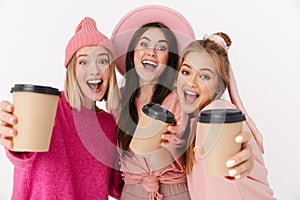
(219,56)
(128,118)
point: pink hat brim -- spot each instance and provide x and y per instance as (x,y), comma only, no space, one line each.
(136,18)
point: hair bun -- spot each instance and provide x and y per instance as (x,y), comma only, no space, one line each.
(225,37)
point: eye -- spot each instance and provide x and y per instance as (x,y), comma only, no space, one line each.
(162,48)
(144,44)
(102,61)
(205,77)
(83,62)
(185,72)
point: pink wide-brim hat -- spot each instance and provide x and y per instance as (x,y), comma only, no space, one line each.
(136,18)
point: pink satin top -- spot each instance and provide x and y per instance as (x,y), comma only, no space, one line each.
(138,169)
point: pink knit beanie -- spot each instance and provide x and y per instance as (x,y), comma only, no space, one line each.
(86,34)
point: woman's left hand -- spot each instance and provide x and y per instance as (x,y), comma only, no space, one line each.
(241,164)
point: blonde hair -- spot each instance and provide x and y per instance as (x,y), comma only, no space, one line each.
(74,95)
(219,56)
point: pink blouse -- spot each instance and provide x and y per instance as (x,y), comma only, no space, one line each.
(139,169)
(203,186)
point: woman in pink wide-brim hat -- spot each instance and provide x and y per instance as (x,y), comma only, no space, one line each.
(147,44)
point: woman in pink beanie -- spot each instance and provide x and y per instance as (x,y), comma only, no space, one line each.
(82,161)
(204,74)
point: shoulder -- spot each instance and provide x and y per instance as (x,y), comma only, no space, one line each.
(106,116)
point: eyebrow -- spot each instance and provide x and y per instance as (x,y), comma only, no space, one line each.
(202,69)
(84,55)
(146,38)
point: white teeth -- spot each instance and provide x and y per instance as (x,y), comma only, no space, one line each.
(94,81)
(149,62)
(190,93)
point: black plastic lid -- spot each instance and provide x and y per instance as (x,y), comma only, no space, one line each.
(157,112)
(221,116)
(35,88)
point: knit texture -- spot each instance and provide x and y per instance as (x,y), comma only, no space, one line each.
(81,163)
(86,34)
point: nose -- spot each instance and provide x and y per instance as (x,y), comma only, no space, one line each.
(151,52)
(193,81)
(95,70)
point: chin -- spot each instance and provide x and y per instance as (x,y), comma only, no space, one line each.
(189,108)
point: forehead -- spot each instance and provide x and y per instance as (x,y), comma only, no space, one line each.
(154,34)
(199,60)
(92,50)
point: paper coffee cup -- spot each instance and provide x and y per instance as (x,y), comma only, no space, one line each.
(218,129)
(35,107)
(152,123)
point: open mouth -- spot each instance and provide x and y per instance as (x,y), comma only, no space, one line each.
(94,85)
(149,65)
(190,97)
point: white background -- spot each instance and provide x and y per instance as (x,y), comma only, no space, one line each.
(265,57)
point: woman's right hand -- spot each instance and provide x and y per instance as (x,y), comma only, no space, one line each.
(7,120)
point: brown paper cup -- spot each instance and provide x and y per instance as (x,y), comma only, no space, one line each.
(218,129)
(152,123)
(35,107)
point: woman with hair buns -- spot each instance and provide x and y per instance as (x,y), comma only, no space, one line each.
(204,74)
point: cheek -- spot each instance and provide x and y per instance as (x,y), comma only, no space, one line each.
(180,81)
(106,73)
(79,75)
(208,90)
(137,57)
(163,57)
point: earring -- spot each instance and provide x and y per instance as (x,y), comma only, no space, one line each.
(215,96)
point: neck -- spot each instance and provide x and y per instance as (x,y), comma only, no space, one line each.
(90,105)
(146,93)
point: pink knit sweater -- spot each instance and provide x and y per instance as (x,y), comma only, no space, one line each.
(82,162)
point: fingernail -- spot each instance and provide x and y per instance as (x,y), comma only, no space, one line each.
(230,163)
(238,139)
(12,132)
(162,136)
(232,172)
(11,119)
(237,177)
(9,107)
(10,144)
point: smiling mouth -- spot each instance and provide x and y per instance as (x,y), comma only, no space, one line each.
(149,65)
(95,85)
(190,97)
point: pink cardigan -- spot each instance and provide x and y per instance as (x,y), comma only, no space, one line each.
(82,162)
(203,186)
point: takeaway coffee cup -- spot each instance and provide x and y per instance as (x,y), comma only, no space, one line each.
(35,107)
(218,129)
(153,122)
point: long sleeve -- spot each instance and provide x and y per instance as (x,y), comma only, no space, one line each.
(255,186)
(21,159)
(115,185)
